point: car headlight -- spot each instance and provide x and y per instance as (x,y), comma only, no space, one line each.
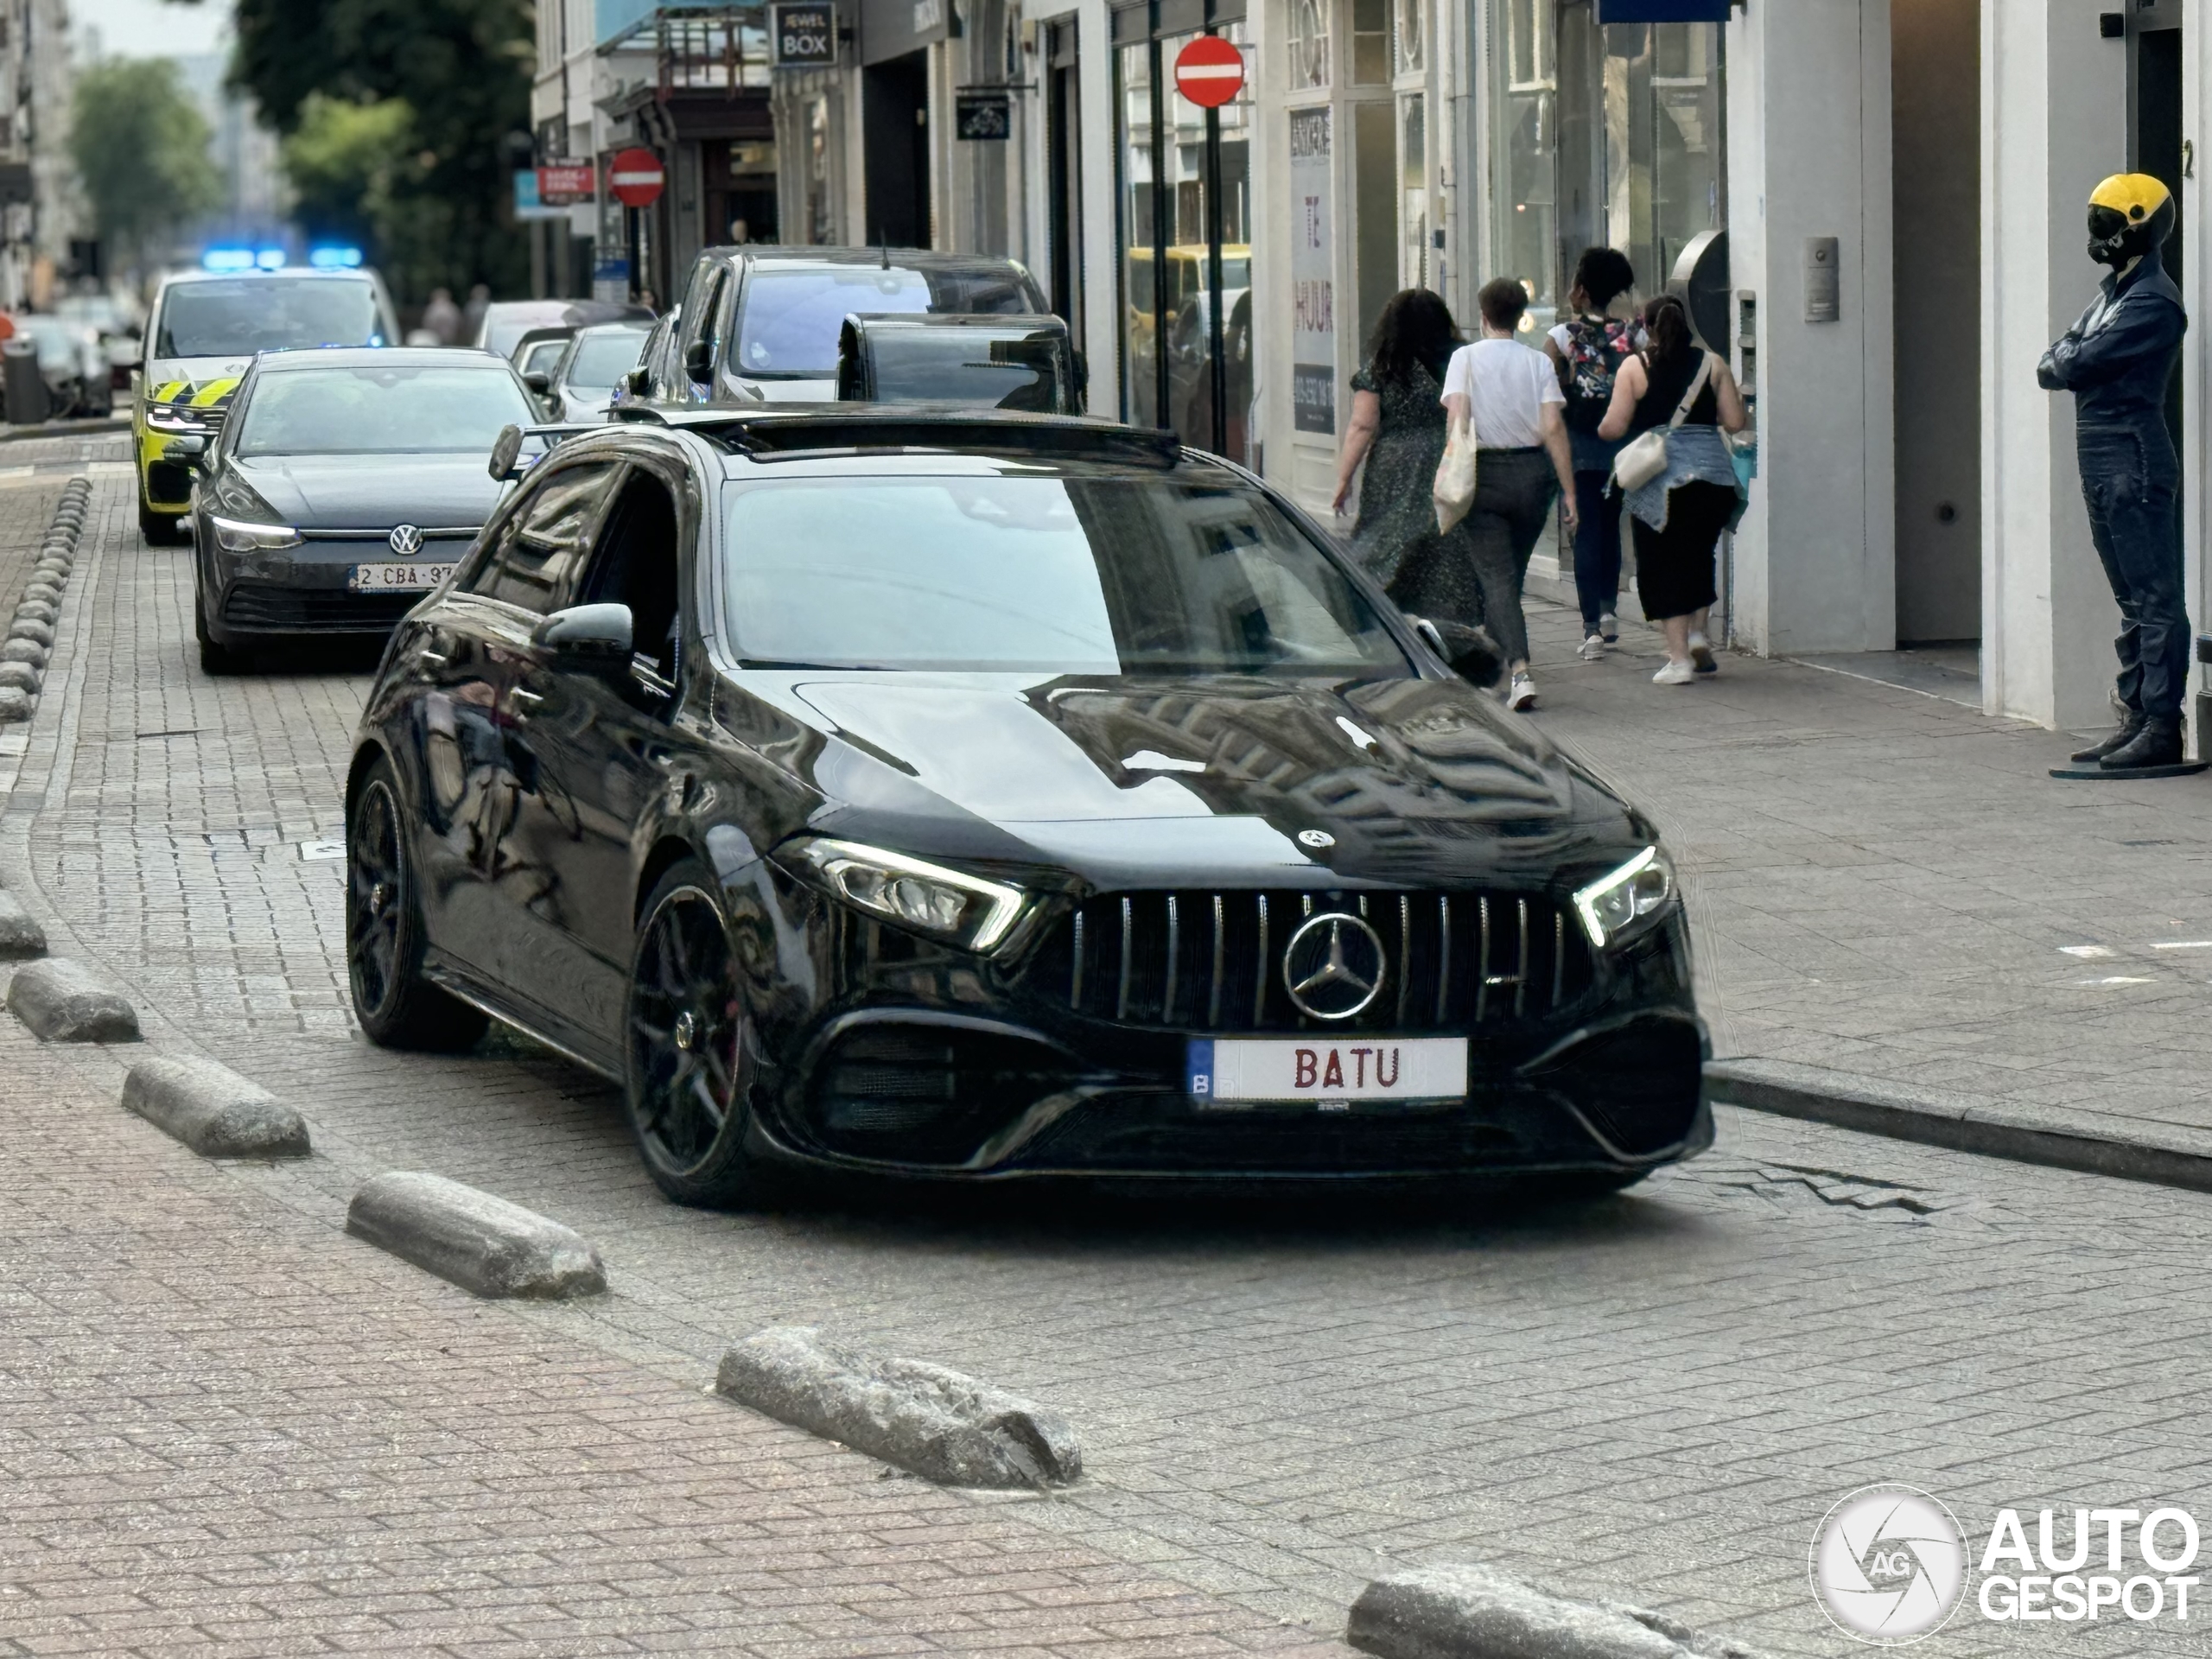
(1619,904)
(243,536)
(174,417)
(968,910)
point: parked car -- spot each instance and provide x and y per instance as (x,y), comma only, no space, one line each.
(655,360)
(1008,362)
(968,795)
(201,337)
(343,488)
(761,323)
(580,386)
(505,321)
(71,361)
(539,349)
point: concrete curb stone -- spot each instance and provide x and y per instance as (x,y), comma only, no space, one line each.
(43,590)
(1957,1122)
(1471,1612)
(213,1110)
(39,633)
(479,1242)
(21,676)
(22,651)
(14,705)
(61,1001)
(36,610)
(933,1422)
(21,936)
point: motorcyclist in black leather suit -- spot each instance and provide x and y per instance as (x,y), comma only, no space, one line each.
(2117,361)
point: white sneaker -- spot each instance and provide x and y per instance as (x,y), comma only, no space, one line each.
(1675,674)
(1522,697)
(1593,647)
(1702,655)
(1609,627)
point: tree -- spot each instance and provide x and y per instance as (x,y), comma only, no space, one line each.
(460,69)
(140,147)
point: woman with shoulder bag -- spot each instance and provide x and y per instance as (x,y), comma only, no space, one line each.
(1510,397)
(1672,402)
(1588,350)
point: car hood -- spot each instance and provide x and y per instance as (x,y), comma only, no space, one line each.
(1129,781)
(172,379)
(374,492)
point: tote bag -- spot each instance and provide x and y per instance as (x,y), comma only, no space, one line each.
(1454,490)
(1646,458)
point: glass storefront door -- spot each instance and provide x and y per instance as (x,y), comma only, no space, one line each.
(1186,364)
(1604,134)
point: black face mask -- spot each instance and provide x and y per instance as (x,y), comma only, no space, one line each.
(2114,240)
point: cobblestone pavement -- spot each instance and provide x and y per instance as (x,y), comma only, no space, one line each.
(1658,1397)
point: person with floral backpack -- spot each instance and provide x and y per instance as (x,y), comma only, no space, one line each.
(1588,350)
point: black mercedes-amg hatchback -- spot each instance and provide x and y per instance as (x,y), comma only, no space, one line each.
(973,795)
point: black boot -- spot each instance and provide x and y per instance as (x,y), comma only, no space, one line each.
(2158,744)
(2120,738)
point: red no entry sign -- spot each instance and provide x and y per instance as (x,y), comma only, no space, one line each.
(1209,71)
(636,178)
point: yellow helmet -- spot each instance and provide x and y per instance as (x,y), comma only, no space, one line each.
(2130,214)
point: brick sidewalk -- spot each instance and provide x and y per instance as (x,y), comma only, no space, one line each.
(226,1429)
(1888,883)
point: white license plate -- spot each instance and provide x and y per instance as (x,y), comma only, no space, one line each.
(1349,1068)
(395,578)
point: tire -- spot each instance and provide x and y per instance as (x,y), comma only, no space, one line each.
(687,1047)
(396,1006)
(214,660)
(160,529)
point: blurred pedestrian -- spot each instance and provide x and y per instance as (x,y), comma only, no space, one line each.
(1588,350)
(1397,429)
(443,317)
(1512,396)
(472,315)
(1679,514)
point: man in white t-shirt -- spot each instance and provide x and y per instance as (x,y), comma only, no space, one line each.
(1511,394)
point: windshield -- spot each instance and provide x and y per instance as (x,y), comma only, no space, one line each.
(543,355)
(969,366)
(396,411)
(789,324)
(1051,575)
(267,314)
(602,359)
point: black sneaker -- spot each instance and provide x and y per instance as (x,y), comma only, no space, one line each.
(2158,744)
(2125,735)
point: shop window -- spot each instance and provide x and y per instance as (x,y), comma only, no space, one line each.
(820,209)
(1526,105)
(1375,201)
(1143,302)
(1309,43)
(1409,35)
(1413,188)
(1371,42)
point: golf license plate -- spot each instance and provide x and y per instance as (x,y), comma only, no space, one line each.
(1306,1068)
(397,578)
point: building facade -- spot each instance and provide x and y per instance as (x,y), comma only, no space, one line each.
(39,215)
(1901,184)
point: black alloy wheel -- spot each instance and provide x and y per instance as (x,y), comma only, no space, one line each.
(689,1067)
(396,1006)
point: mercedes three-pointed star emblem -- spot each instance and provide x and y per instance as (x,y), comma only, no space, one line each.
(1333,966)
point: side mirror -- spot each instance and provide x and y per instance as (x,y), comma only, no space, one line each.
(507,448)
(1472,652)
(637,382)
(538,381)
(595,634)
(699,360)
(189,450)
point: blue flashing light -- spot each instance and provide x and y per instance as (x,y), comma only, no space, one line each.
(334,259)
(269,259)
(227,259)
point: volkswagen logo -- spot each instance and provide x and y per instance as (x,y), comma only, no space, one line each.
(1333,966)
(406,541)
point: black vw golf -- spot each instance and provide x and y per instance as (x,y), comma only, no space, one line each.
(972,795)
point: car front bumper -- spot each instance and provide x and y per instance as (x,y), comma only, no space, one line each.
(924,1066)
(304,590)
